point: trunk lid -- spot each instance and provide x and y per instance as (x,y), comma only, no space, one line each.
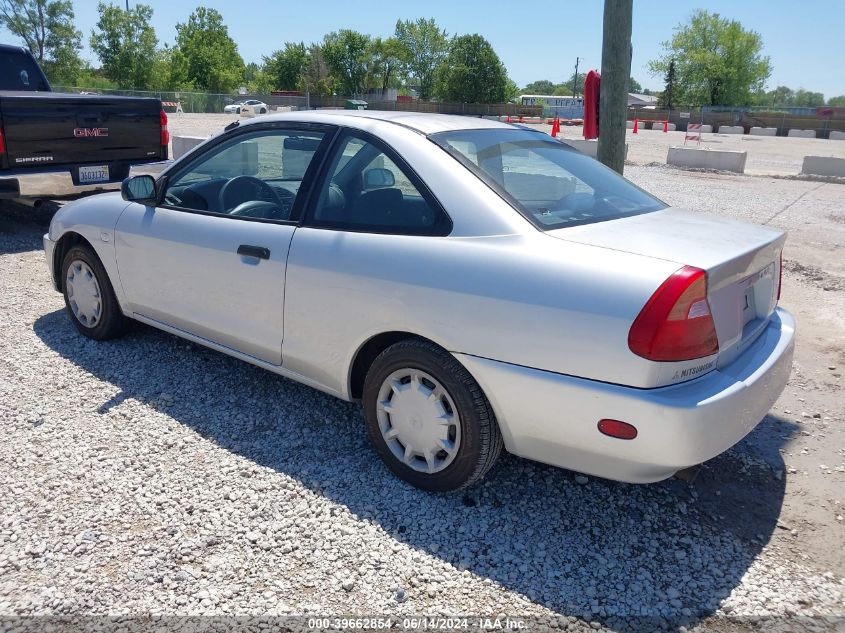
(742,262)
(44,129)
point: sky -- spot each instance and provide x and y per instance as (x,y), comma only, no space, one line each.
(802,39)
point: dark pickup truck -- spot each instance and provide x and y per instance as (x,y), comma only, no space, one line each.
(92,138)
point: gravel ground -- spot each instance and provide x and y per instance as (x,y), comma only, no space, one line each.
(151,476)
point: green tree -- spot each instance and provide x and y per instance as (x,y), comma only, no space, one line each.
(426,46)
(47,29)
(205,54)
(316,78)
(540,87)
(838,101)
(780,96)
(667,97)
(126,42)
(387,56)
(347,55)
(806,98)
(634,86)
(284,68)
(472,73)
(717,62)
(566,88)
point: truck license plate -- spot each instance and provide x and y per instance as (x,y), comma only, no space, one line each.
(93,173)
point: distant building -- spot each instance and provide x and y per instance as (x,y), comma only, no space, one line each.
(641,101)
(569,107)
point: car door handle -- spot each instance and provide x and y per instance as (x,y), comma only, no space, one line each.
(254,251)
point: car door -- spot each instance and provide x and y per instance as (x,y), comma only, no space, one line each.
(360,258)
(210,258)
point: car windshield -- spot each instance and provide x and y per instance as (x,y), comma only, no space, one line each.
(549,182)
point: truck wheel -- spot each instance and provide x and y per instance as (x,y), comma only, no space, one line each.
(428,419)
(89,296)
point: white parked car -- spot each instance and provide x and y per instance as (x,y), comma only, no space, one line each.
(253,107)
(474,284)
(233,108)
(248,107)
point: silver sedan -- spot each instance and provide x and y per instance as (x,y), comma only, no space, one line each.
(477,286)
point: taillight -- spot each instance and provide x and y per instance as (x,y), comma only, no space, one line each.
(618,429)
(780,274)
(2,142)
(165,134)
(676,323)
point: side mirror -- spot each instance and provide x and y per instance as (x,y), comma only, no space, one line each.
(139,189)
(377,178)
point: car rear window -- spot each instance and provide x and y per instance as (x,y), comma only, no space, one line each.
(18,71)
(549,182)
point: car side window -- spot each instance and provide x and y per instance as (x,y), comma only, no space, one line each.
(253,175)
(366,190)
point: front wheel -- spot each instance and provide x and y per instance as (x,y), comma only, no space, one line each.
(428,419)
(89,296)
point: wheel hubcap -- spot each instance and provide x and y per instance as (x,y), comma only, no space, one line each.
(418,420)
(83,293)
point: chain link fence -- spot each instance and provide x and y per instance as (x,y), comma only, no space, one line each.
(204,102)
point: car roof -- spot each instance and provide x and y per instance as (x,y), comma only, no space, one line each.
(422,122)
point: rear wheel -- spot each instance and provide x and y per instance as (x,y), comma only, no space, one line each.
(263,111)
(428,419)
(89,296)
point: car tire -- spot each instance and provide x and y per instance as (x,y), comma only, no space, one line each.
(403,418)
(238,111)
(89,296)
(263,111)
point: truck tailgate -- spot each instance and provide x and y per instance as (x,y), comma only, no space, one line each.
(45,129)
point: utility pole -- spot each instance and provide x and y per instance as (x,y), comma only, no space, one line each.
(574,78)
(615,74)
(127,6)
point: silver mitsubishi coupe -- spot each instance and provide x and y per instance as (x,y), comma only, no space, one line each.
(476,285)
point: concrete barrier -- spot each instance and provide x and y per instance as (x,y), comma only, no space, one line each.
(731,129)
(629,125)
(836,135)
(722,160)
(184,144)
(706,128)
(824,166)
(802,133)
(764,131)
(590,148)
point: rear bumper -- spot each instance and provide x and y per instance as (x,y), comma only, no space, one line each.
(552,418)
(58,181)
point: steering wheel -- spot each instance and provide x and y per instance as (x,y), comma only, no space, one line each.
(241,189)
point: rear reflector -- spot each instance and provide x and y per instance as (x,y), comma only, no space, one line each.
(676,323)
(165,134)
(618,429)
(2,142)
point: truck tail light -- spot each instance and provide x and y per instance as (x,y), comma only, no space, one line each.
(676,324)
(165,134)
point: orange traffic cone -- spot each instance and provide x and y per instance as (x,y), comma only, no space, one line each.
(555,127)
(636,121)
